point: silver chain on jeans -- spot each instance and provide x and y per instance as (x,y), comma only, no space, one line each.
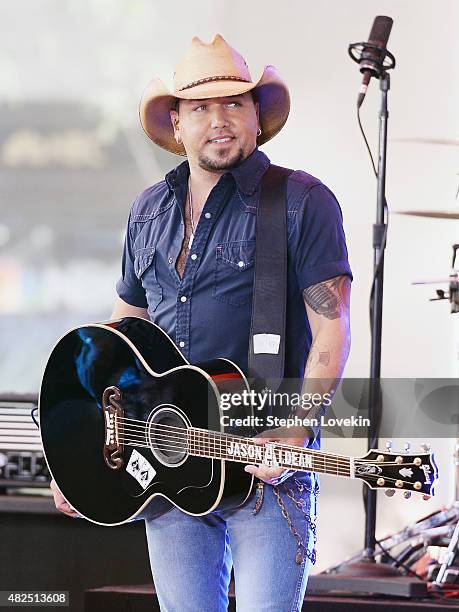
(301,505)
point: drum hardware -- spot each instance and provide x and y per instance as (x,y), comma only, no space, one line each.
(453,280)
(432,214)
(452,142)
(446,571)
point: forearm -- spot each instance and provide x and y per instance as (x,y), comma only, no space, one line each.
(326,360)
(327,306)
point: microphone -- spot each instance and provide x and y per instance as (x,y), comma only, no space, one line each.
(371,55)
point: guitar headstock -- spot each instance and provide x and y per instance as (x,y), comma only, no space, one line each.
(407,471)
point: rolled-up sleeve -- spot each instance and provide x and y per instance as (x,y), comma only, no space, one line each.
(319,242)
(129,287)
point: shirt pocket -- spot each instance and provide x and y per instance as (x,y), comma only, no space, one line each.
(145,270)
(234,272)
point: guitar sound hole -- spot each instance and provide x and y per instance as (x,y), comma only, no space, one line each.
(167,435)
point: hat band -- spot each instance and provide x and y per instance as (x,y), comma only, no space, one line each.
(214,78)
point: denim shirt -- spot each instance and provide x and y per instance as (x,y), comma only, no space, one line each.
(208,311)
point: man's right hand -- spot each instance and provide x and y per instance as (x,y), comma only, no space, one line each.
(61,503)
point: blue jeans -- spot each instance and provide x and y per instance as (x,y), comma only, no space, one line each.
(191,557)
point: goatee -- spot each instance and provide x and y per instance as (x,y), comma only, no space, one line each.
(217,165)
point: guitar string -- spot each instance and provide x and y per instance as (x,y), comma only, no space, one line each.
(220,454)
(138,437)
(183,433)
(181,429)
(239,438)
(180,432)
(223,455)
(332,461)
(210,446)
(338,459)
(336,469)
(208,449)
(145,423)
(206,445)
(158,433)
(332,456)
(213,441)
(317,470)
(171,445)
(341,471)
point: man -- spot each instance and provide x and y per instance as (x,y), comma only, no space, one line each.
(188,266)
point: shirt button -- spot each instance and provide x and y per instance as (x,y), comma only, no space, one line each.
(240,264)
(207,215)
(170,260)
(194,256)
(183,298)
(181,344)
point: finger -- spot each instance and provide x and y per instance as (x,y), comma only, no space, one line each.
(271,435)
(66,508)
(266,434)
(260,476)
(61,503)
(265,479)
(263,440)
(273,472)
(68,511)
(263,472)
(63,506)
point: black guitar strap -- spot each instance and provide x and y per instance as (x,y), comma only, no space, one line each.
(267,332)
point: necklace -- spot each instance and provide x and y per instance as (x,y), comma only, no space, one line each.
(190,199)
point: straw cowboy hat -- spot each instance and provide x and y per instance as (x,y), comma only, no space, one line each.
(212,71)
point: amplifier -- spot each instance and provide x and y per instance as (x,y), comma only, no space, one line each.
(22,462)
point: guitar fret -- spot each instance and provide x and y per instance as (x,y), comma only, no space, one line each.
(214,445)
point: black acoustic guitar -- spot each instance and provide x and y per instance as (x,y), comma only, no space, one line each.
(125,420)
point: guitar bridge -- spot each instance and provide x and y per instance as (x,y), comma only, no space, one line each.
(113,415)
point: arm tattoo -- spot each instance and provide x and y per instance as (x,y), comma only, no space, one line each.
(316,357)
(327,298)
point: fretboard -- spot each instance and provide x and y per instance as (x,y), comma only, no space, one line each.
(203,443)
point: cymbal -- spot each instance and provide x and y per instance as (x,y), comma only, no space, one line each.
(436,214)
(453,142)
(435,281)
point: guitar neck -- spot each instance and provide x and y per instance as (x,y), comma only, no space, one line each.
(214,445)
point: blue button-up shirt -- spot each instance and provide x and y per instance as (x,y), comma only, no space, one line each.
(208,311)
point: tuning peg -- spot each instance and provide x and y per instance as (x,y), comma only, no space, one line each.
(425,447)
(389,445)
(407,447)
(390,492)
(407,494)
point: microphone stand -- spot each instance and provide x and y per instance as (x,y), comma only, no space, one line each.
(375,61)
(379,244)
(367,566)
(365,575)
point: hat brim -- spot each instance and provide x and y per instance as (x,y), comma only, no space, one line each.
(157,101)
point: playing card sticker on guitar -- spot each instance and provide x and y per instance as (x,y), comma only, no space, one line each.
(140,469)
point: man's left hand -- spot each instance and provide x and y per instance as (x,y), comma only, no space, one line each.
(295,436)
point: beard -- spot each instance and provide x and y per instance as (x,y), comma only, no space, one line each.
(221,161)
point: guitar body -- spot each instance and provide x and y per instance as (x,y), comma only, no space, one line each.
(132,371)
